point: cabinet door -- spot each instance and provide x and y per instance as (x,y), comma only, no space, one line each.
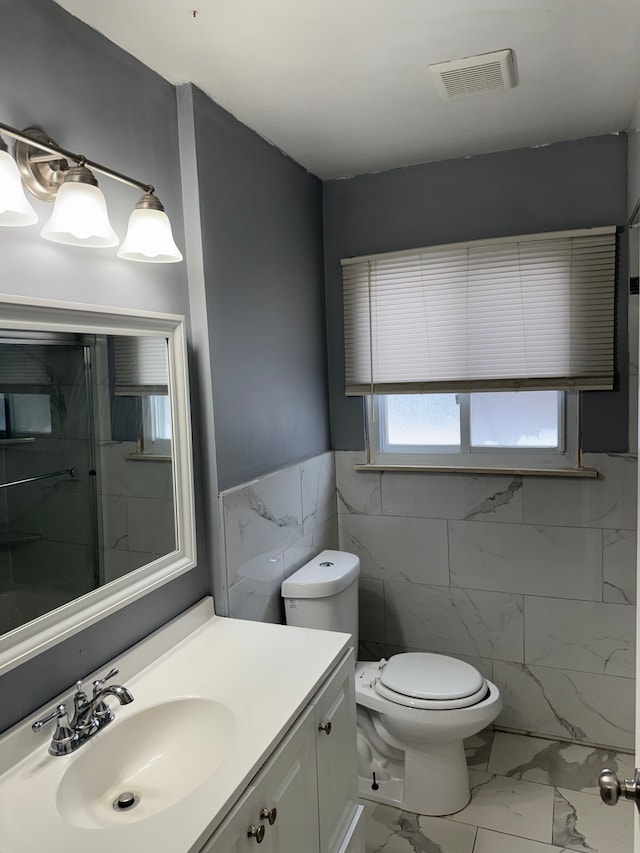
(287,783)
(291,787)
(337,756)
(232,836)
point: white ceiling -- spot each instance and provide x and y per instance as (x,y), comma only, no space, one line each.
(342,85)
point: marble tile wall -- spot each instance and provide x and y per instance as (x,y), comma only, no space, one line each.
(531,579)
(272,526)
(136,512)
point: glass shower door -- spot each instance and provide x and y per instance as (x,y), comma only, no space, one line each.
(48,518)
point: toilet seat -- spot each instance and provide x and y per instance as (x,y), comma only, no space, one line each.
(429,681)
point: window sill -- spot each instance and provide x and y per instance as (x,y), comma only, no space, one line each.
(148,457)
(587,473)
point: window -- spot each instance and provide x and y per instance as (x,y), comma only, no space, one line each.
(528,429)
(140,381)
(25,415)
(473,353)
(156,425)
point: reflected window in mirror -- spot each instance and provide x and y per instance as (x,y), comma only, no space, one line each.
(140,403)
(156,425)
(25,415)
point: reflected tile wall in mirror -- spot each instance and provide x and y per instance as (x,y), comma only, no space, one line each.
(62,536)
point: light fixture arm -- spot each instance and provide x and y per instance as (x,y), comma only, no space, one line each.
(58,153)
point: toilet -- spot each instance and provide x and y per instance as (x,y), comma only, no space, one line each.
(413,710)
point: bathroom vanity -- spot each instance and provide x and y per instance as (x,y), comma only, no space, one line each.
(240,733)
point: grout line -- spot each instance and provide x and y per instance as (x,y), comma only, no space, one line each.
(555,739)
(475,840)
(448,553)
(524,628)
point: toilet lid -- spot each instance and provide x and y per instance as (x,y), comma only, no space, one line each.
(430,678)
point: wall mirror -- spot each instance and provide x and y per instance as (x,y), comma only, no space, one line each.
(96,479)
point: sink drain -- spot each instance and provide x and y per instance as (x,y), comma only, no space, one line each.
(126,801)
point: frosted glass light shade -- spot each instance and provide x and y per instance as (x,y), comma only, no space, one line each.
(14,207)
(80,218)
(149,238)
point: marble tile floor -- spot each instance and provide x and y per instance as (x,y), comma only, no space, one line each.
(528,795)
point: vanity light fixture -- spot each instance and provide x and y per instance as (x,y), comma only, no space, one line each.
(80,216)
(14,207)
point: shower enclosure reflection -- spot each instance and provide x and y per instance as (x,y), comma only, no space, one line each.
(86,479)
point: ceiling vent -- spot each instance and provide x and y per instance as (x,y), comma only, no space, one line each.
(475,75)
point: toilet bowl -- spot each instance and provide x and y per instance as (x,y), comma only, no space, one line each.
(411,735)
(413,710)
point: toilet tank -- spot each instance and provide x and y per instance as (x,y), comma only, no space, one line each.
(324,594)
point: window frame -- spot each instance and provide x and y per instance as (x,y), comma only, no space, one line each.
(566,456)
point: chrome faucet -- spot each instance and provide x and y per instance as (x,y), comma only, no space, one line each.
(89,716)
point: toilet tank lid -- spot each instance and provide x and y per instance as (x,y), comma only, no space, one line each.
(327,574)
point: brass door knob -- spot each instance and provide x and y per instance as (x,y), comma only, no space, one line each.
(325,727)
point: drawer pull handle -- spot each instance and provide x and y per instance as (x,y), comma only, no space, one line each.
(325,727)
(256,832)
(269,814)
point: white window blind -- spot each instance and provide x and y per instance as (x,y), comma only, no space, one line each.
(24,366)
(140,365)
(530,312)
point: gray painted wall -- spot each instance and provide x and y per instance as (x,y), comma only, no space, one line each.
(567,185)
(261,219)
(93,98)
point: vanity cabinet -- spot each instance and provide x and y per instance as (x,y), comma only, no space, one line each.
(224,752)
(310,781)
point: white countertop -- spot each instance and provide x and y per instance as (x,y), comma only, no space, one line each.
(264,674)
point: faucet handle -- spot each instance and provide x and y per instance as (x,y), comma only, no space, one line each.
(98,684)
(57,713)
(64,739)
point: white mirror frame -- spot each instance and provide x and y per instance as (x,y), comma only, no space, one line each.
(33,638)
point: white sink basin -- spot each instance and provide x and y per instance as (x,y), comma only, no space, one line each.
(160,755)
